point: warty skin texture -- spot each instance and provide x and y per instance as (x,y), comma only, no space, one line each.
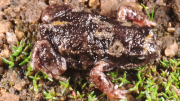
(86,41)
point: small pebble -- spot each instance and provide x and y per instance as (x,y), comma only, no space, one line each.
(94,4)
(19,34)
(170,29)
(171,50)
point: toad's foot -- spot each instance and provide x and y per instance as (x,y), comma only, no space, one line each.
(138,17)
(45,59)
(103,83)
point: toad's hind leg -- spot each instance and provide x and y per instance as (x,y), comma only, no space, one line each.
(45,59)
(103,83)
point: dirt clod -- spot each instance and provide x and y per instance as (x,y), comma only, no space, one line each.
(9,97)
(176,8)
(5,26)
(4,3)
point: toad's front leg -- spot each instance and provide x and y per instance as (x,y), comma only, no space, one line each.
(127,12)
(103,83)
(45,59)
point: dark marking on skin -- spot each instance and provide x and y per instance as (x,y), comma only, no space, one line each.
(99,78)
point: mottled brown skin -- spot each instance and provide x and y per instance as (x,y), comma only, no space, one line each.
(93,42)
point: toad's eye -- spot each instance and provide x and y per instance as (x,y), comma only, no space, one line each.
(141,57)
(137,59)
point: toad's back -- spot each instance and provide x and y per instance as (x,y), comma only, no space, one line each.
(84,38)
